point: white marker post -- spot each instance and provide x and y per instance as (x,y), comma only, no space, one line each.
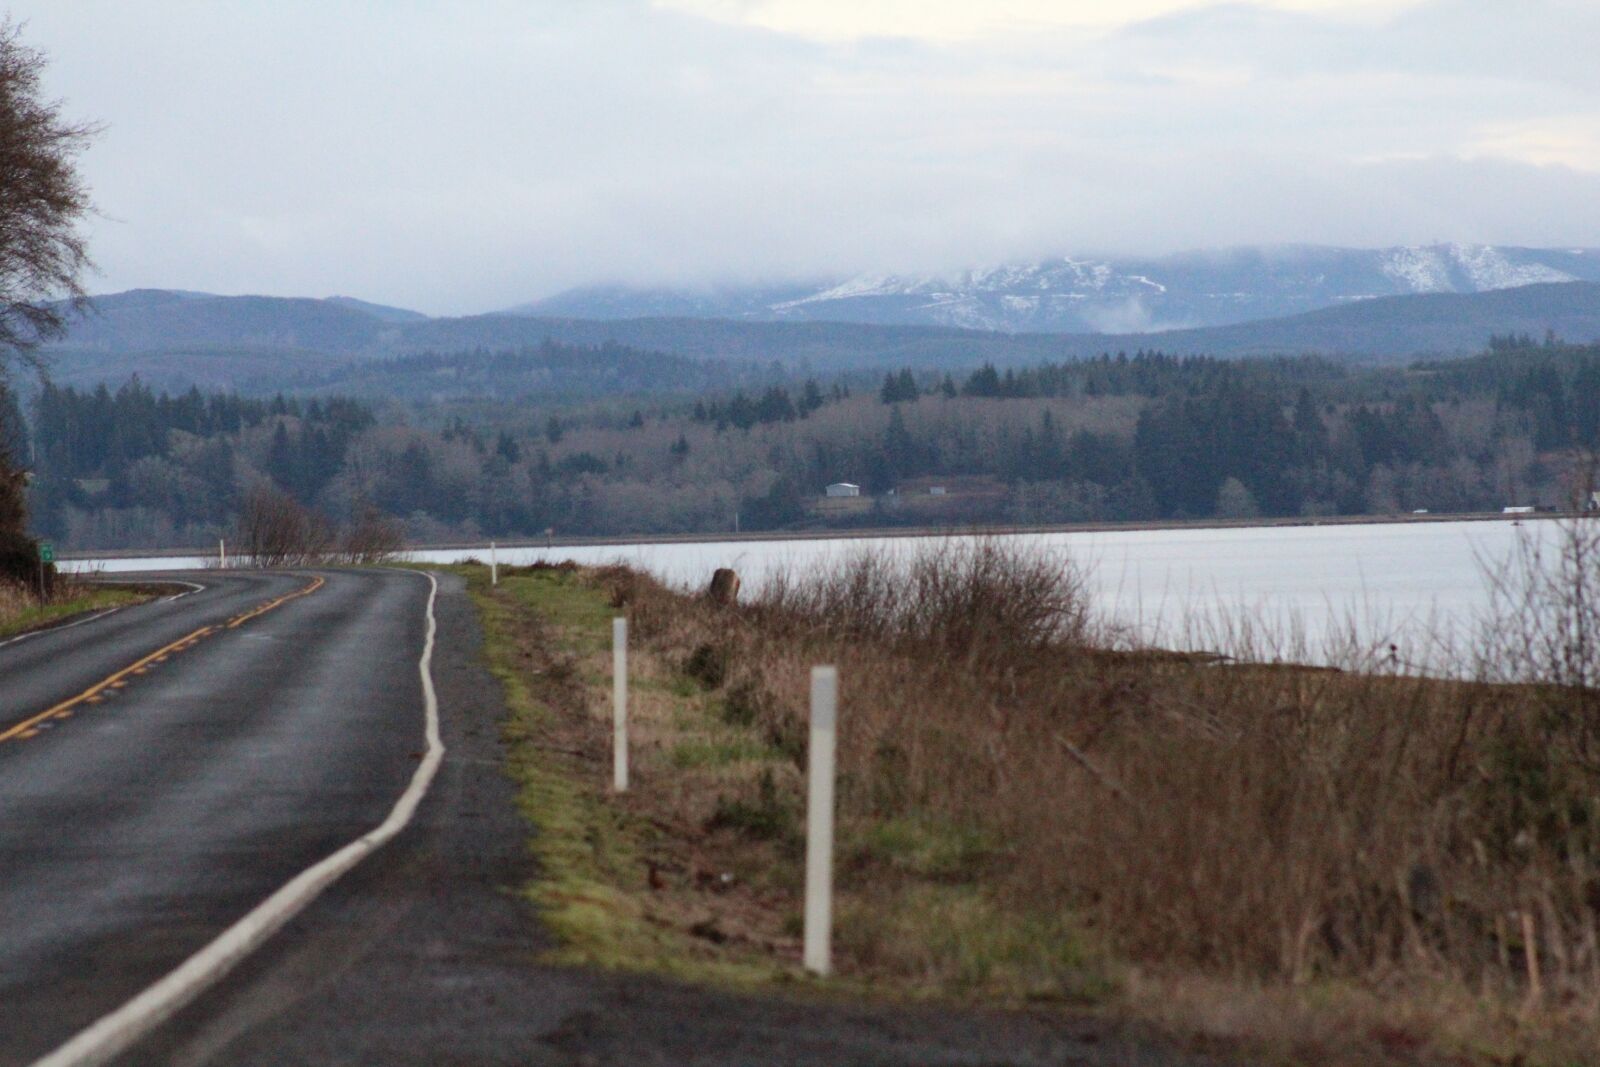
(619,705)
(494,566)
(222,553)
(819,821)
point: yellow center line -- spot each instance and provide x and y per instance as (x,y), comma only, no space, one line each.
(109,685)
(239,620)
(28,727)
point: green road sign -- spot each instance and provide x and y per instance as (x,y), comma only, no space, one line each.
(47,552)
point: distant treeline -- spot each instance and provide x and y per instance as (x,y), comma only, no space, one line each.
(100,433)
(173,462)
(1125,437)
(545,373)
(1149,374)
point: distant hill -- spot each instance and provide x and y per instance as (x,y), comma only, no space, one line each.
(378,311)
(1105,295)
(550,371)
(153,319)
(1396,328)
(172,339)
(1384,329)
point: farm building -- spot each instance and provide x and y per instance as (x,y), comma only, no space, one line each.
(842,489)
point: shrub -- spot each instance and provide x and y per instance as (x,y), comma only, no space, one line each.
(276,531)
(1235,818)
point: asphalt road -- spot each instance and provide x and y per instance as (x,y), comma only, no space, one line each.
(134,831)
(141,821)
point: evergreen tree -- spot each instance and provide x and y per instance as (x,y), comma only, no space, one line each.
(810,397)
(281,465)
(899,388)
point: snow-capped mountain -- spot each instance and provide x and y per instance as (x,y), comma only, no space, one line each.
(1110,294)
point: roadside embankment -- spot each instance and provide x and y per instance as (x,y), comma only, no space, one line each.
(1298,865)
(21,611)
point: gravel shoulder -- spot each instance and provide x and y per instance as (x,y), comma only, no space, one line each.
(429,954)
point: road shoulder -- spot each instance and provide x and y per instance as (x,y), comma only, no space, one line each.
(432,953)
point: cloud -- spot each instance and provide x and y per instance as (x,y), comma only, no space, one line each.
(1565,140)
(954,22)
(467,156)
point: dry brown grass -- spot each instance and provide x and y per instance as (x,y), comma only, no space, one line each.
(1426,847)
(21,608)
(14,600)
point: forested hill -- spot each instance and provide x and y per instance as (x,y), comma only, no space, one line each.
(147,320)
(1144,437)
(267,343)
(1395,328)
(549,372)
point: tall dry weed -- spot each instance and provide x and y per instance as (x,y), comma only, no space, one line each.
(14,600)
(1275,822)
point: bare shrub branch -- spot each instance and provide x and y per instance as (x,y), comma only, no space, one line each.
(276,531)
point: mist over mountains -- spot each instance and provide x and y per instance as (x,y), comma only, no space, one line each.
(1370,306)
(1107,295)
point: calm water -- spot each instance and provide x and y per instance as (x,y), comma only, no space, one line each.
(1306,592)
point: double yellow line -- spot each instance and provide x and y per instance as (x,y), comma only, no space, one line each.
(108,686)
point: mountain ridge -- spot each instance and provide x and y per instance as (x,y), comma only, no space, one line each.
(1117,294)
(173,341)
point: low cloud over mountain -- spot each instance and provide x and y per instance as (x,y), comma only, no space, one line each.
(1107,295)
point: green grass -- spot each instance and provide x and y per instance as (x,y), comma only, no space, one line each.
(590,886)
(30,616)
(721,752)
(958,939)
(926,847)
(580,612)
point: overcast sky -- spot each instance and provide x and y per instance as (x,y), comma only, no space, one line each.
(469,155)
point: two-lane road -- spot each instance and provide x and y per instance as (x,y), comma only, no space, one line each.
(166,768)
(208,772)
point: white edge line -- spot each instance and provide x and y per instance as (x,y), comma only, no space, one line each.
(113,1034)
(193,588)
(63,626)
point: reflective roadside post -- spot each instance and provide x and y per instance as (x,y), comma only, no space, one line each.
(619,705)
(819,821)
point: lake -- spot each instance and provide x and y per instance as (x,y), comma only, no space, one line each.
(1310,593)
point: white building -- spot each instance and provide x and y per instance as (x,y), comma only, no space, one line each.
(843,489)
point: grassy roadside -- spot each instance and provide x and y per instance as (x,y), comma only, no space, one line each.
(546,634)
(952,830)
(697,872)
(20,612)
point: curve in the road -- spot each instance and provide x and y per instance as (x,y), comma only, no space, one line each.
(117,1031)
(58,627)
(29,727)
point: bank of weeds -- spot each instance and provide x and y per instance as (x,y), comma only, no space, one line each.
(1314,866)
(21,610)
